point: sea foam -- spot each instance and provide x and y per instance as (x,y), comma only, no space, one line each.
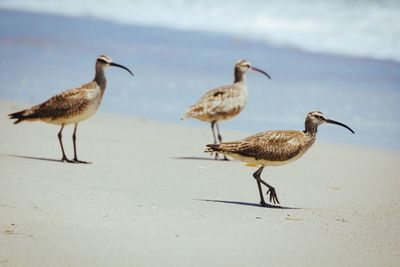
(356,28)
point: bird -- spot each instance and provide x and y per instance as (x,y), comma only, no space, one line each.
(225,102)
(71,106)
(274,148)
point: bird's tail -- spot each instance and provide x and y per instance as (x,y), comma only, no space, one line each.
(212,148)
(225,147)
(196,111)
(26,114)
(185,116)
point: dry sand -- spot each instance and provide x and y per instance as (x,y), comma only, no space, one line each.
(151,197)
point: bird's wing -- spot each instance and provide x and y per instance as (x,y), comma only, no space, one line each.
(62,104)
(214,101)
(272,145)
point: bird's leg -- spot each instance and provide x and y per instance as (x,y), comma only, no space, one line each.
(219,134)
(256,176)
(273,197)
(215,140)
(213,132)
(64,158)
(220,139)
(76,160)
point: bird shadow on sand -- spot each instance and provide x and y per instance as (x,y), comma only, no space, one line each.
(268,206)
(34,158)
(43,159)
(201,158)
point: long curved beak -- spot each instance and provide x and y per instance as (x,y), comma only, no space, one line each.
(340,124)
(261,71)
(122,67)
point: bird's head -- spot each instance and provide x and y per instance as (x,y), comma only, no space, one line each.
(243,66)
(104,61)
(316,118)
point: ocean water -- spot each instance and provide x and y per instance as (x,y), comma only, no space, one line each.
(365,28)
(174,62)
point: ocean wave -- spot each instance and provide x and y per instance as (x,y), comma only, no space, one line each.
(357,28)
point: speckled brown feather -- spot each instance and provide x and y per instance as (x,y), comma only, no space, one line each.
(274,148)
(225,102)
(221,103)
(279,146)
(66,104)
(71,106)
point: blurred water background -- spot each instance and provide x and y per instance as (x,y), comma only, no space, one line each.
(340,57)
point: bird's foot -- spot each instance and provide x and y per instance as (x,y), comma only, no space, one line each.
(216,156)
(262,203)
(273,197)
(225,158)
(65,159)
(76,160)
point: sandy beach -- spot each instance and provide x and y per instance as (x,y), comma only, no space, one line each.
(151,197)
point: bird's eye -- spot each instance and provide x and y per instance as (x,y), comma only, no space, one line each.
(100,60)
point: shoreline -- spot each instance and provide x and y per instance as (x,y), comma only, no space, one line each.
(200,126)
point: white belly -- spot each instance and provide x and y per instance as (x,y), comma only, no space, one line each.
(85,114)
(263,162)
